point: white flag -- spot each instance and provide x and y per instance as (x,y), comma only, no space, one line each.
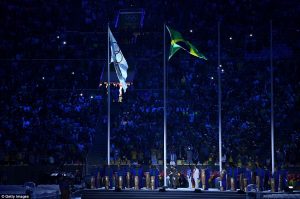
(119,61)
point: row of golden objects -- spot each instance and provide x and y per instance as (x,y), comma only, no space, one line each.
(150,181)
(244,182)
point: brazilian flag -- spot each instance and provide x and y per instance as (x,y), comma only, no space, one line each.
(178,42)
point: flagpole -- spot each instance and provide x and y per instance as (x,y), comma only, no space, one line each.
(165,112)
(219,102)
(272,96)
(108,100)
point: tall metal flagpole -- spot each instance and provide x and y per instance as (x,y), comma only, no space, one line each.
(108,99)
(219,102)
(272,99)
(165,111)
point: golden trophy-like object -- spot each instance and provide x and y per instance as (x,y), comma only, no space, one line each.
(120,182)
(136,182)
(245,184)
(98,179)
(203,179)
(128,179)
(272,184)
(106,179)
(223,173)
(227,182)
(280,183)
(152,183)
(147,180)
(241,182)
(93,182)
(115,179)
(258,182)
(232,184)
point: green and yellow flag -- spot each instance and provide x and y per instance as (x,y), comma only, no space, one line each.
(177,42)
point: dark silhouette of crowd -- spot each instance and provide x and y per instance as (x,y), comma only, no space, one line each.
(53,58)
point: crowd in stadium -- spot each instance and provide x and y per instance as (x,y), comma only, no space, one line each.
(49,115)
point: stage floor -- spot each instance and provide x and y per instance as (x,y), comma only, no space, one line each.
(52,192)
(181,193)
(168,194)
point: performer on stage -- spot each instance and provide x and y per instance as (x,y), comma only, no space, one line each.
(283,173)
(137,171)
(224,179)
(183,182)
(146,171)
(154,171)
(260,175)
(189,177)
(129,179)
(233,174)
(99,179)
(109,173)
(120,174)
(247,174)
(276,178)
(240,173)
(266,185)
(196,176)
(174,177)
(210,176)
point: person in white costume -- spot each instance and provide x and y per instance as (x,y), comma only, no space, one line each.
(196,177)
(189,177)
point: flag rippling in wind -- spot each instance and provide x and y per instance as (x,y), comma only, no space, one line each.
(178,42)
(119,60)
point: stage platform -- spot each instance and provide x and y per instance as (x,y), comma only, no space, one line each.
(52,192)
(168,194)
(181,193)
